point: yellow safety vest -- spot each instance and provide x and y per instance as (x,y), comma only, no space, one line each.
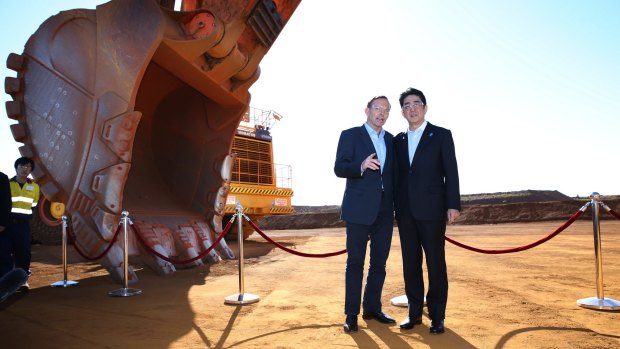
(24,198)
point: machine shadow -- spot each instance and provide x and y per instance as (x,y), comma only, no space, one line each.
(86,316)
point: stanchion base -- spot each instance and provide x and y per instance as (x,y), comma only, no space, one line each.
(599,303)
(64,283)
(241,298)
(402,301)
(125,292)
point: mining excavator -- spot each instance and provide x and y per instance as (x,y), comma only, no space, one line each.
(137,107)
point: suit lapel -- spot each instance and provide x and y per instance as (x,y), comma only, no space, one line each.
(388,146)
(403,149)
(424,141)
(366,140)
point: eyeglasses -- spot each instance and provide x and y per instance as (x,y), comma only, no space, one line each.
(380,109)
(24,166)
(412,105)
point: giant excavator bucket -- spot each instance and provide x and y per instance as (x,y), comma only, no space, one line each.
(133,107)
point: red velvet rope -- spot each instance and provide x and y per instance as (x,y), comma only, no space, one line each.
(613,213)
(521,248)
(570,221)
(83,254)
(293,251)
(173,261)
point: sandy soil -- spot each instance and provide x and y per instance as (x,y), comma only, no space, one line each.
(520,300)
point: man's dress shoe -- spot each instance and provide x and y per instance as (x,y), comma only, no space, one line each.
(437,327)
(350,324)
(380,316)
(408,324)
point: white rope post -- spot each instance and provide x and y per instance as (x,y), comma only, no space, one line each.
(241,297)
(64,282)
(598,302)
(125,291)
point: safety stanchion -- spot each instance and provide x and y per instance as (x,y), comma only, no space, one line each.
(64,282)
(125,291)
(598,302)
(240,298)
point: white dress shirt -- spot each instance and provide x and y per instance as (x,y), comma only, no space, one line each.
(413,139)
(379,142)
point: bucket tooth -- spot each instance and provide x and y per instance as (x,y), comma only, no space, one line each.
(222,248)
(14,110)
(26,151)
(205,237)
(12,85)
(226,167)
(220,199)
(155,237)
(15,62)
(19,132)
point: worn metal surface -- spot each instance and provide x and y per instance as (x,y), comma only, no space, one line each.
(134,106)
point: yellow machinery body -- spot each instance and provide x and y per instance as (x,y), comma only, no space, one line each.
(258,184)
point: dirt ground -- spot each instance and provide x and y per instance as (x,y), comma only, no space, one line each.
(519,300)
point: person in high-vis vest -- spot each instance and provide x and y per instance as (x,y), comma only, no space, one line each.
(24,196)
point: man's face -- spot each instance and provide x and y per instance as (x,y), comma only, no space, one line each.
(414,111)
(24,170)
(378,113)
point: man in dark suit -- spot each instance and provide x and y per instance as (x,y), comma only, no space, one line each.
(5,210)
(11,279)
(426,195)
(364,158)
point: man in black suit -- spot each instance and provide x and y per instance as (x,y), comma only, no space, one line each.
(364,158)
(5,210)
(426,195)
(11,279)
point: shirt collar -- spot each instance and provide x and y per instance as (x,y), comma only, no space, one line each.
(372,132)
(419,129)
(14,179)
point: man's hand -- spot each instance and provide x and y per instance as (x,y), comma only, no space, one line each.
(371,162)
(453,215)
(1,228)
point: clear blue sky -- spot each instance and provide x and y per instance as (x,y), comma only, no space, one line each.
(530,89)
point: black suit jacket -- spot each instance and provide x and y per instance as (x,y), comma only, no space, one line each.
(429,186)
(364,192)
(5,200)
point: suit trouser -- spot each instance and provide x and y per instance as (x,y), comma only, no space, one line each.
(6,256)
(15,249)
(380,236)
(415,236)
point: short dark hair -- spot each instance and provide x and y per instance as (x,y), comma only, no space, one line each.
(411,91)
(375,98)
(24,161)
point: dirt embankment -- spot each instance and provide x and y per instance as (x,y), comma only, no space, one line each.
(508,207)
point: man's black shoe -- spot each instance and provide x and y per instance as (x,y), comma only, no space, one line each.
(350,324)
(407,324)
(380,316)
(437,327)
